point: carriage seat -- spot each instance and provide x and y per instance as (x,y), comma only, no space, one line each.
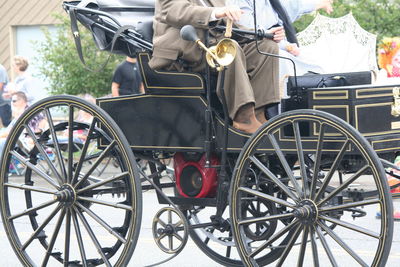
(139,15)
(169,82)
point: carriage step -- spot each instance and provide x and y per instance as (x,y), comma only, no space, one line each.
(41,235)
(74,263)
(56,254)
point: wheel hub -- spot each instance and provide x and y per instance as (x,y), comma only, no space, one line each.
(306,212)
(66,195)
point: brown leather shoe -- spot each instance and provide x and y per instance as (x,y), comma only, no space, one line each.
(245,119)
(260,115)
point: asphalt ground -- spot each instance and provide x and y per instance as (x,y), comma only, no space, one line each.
(147,252)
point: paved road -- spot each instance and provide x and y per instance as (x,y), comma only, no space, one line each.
(147,252)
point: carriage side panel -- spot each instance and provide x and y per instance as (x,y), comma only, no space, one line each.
(159,122)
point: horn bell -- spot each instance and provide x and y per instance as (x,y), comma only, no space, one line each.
(223,53)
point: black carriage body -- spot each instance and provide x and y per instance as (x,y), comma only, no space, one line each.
(368,108)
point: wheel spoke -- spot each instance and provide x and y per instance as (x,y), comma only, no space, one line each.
(92,237)
(35,169)
(273,238)
(334,167)
(342,244)
(67,242)
(179,223)
(314,247)
(103,182)
(163,224)
(289,246)
(53,238)
(101,222)
(326,247)
(158,239)
(344,185)
(351,226)
(79,238)
(317,161)
(284,163)
(275,179)
(169,216)
(33,209)
(266,196)
(170,242)
(266,218)
(44,154)
(349,205)
(31,188)
(300,154)
(96,163)
(106,203)
(70,143)
(84,151)
(40,228)
(303,247)
(55,142)
(178,237)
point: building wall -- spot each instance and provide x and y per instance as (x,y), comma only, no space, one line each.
(14,13)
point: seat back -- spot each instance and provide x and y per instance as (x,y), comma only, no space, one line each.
(169,82)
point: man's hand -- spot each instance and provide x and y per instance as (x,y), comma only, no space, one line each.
(278,32)
(325,4)
(231,12)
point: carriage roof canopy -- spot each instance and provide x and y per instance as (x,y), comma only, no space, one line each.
(339,44)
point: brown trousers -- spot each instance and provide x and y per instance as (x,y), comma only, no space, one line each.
(252,77)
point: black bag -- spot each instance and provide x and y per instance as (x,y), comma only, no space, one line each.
(298,94)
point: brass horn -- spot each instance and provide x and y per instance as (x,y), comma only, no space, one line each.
(222,54)
(217,56)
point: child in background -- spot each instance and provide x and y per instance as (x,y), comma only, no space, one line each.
(389,62)
(389,56)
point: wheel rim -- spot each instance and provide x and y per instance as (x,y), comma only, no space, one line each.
(319,194)
(79,209)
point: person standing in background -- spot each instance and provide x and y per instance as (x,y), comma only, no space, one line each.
(127,79)
(23,82)
(5,107)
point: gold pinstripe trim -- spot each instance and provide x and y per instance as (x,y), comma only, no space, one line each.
(357,107)
(366,90)
(346,107)
(101,144)
(324,94)
(169,73)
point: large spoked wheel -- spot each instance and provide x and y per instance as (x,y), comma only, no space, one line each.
(71,207)
(314,168)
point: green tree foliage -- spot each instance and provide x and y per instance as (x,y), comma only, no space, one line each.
(63,69)
(381,17)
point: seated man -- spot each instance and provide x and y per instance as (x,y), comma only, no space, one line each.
(251,81)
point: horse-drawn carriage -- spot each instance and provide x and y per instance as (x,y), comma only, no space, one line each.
(291,193)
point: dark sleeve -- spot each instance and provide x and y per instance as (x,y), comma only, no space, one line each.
(117,78)
(138,74)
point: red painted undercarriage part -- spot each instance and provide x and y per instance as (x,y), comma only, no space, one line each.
(193,179)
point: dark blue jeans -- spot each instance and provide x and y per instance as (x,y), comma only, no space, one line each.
(5,114)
